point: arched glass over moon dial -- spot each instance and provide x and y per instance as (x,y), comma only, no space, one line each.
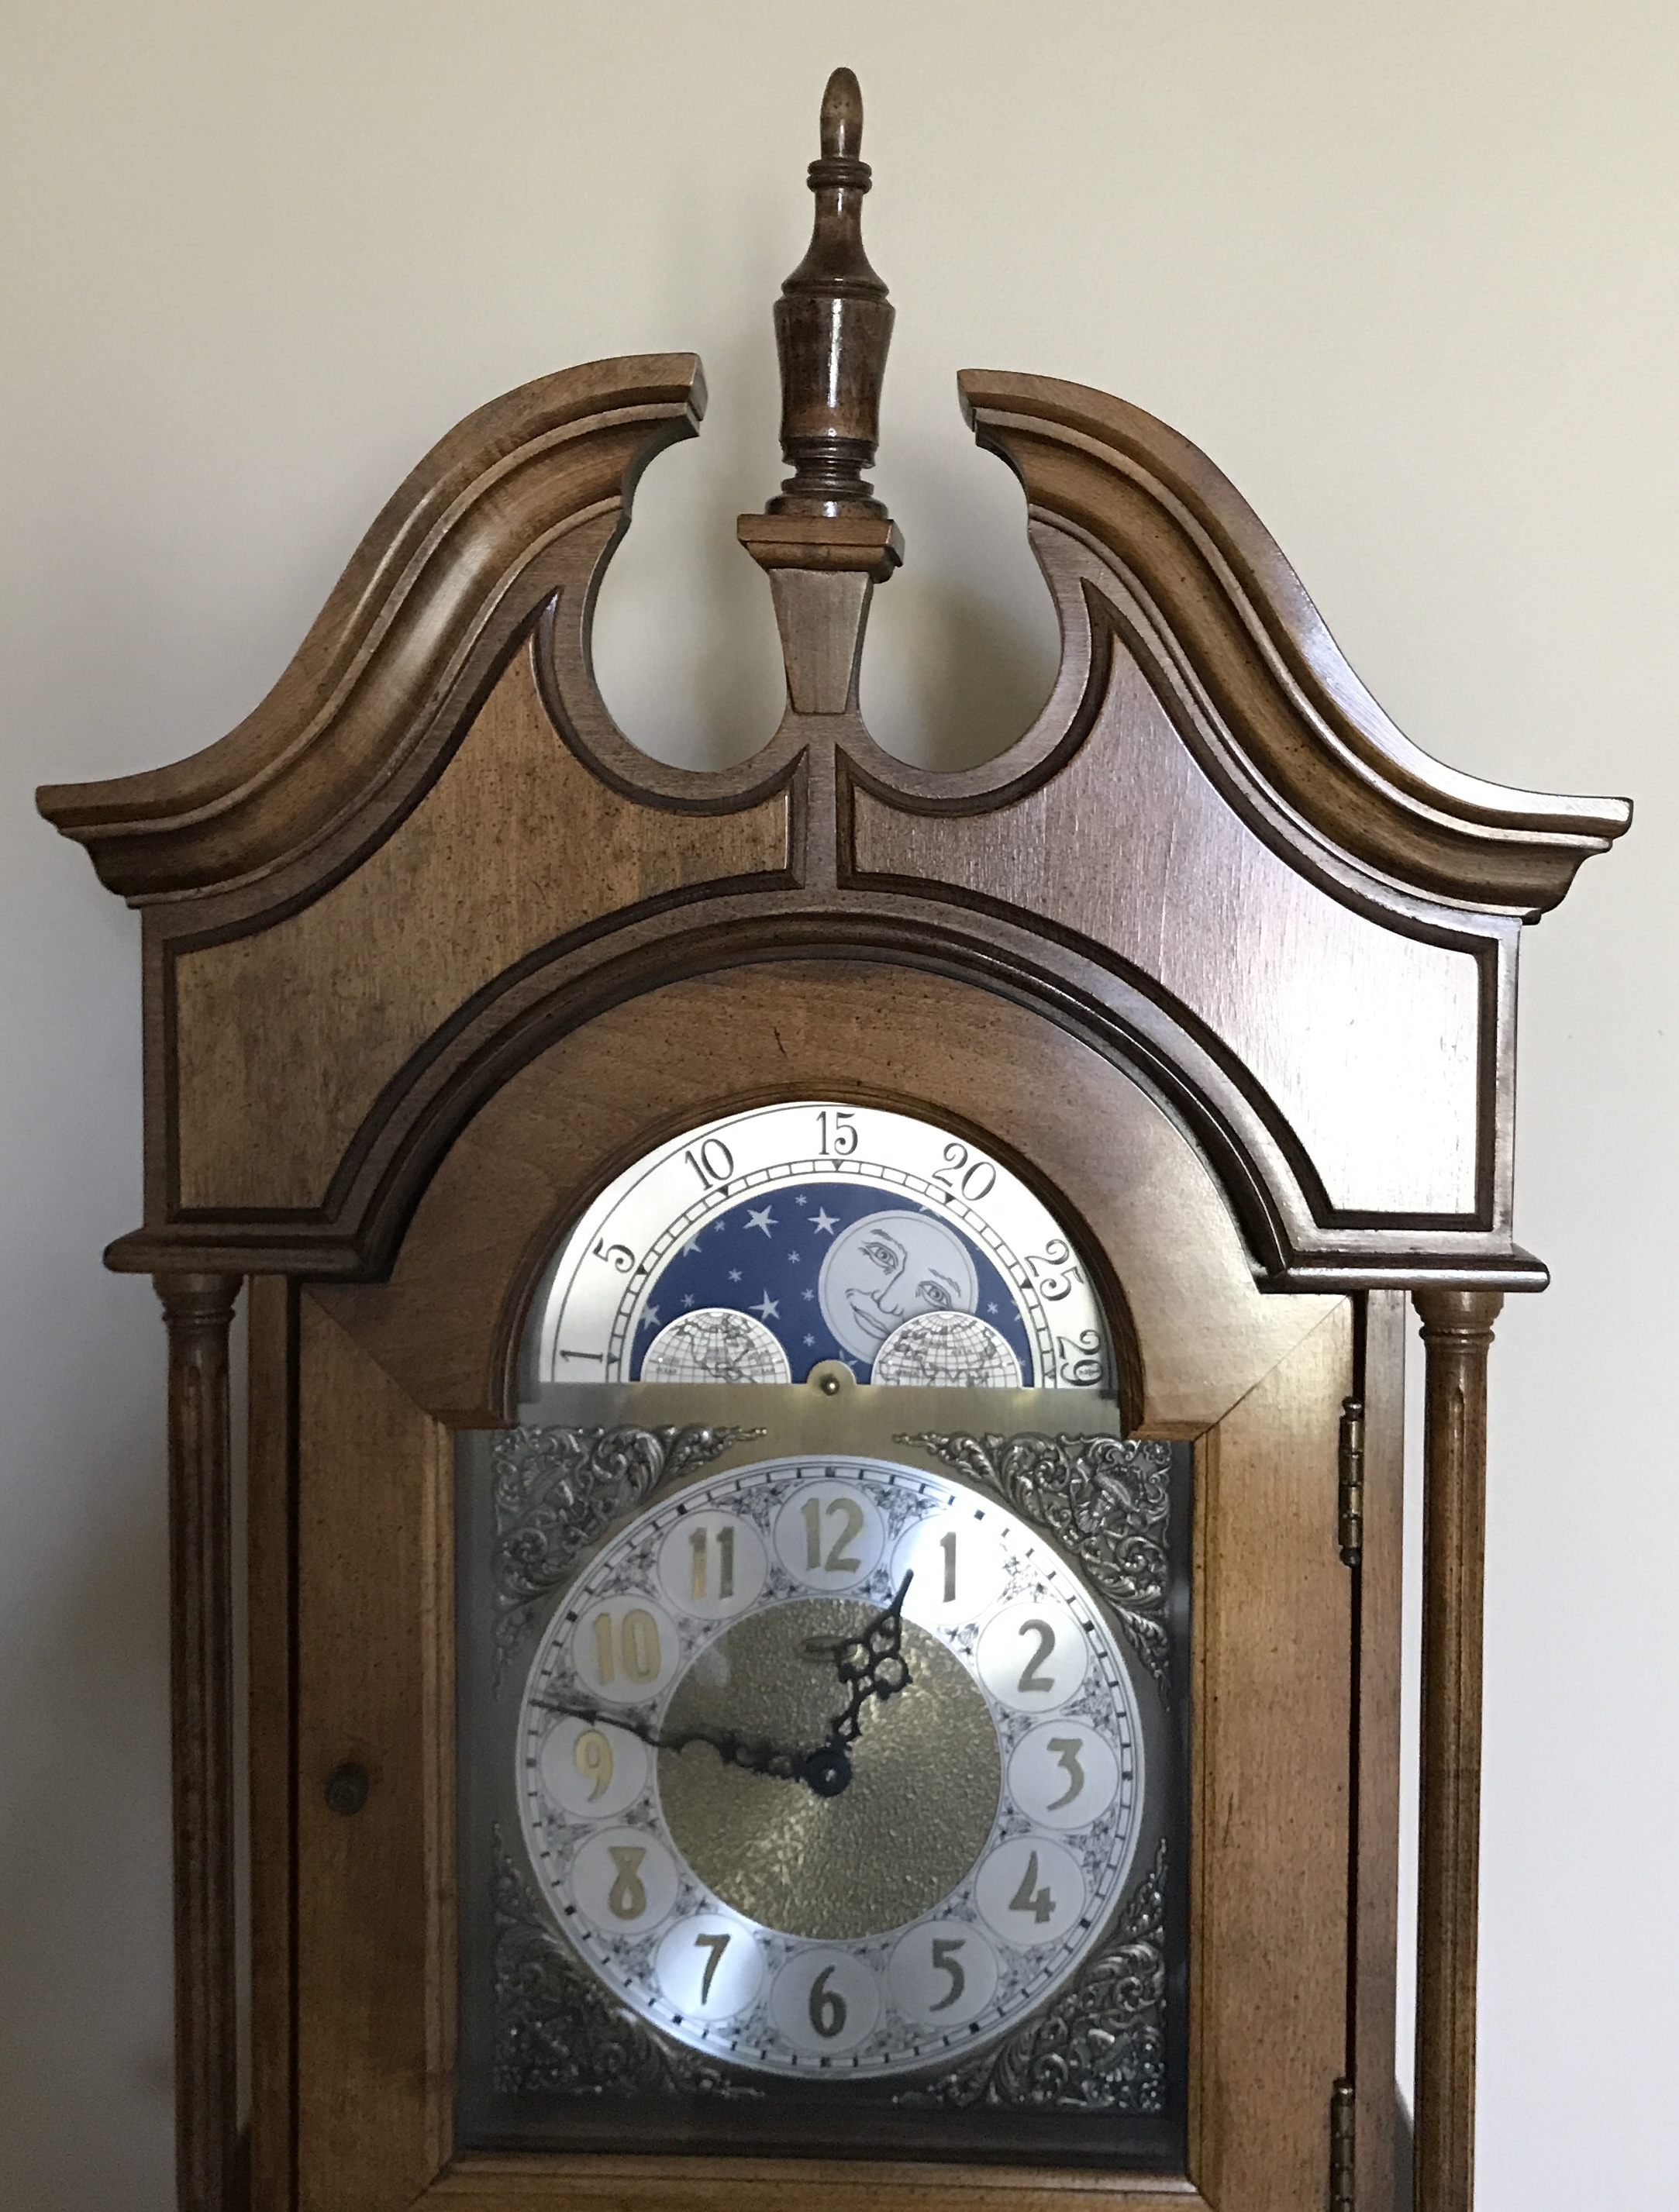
(753,1248)
(986,1832)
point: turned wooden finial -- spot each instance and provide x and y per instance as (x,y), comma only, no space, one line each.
(833,325)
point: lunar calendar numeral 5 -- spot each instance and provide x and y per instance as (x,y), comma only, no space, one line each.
(637,1642)
(827,2006)
(844,1140)
(945,1961)
(712,1162)
(617,1256)
(976,1178)
(1028,1898)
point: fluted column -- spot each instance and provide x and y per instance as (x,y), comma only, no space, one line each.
(1457,1333)
(197,1310)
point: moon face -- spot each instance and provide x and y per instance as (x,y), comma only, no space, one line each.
(888,1268)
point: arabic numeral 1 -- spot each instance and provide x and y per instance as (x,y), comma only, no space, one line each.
(1080,1359)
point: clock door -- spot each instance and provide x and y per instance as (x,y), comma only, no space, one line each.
(1016,1502)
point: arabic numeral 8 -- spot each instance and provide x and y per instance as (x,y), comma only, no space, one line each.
(966,1172)
(839,1138)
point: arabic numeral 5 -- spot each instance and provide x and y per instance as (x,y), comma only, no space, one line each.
(839,1138)
(965,1172)
(1080,1358)
(1052,1271)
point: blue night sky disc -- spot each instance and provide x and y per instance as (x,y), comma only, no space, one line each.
(830,1269)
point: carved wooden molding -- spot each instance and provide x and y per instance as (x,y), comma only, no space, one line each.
(1301,721)
(461,558)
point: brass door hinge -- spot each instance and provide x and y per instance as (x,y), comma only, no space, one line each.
(1342,2122)
(1350,1517)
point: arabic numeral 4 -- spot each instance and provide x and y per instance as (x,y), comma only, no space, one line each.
(1031,1897)
(1080,1358)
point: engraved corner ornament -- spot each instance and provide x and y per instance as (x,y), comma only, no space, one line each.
(1107,1499)
(1100,2046)
(556,1490)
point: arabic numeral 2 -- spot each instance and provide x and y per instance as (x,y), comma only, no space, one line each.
(839,1138)
(965,1172)
(712,1161)
(1080,1358)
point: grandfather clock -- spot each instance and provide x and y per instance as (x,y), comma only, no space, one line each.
(826,1355)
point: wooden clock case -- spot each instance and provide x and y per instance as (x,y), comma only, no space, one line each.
(1212,955)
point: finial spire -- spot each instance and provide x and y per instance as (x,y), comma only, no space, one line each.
(833,325)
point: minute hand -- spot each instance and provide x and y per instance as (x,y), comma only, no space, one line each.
(754,1754)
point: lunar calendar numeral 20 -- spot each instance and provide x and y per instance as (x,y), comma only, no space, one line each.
(964,1171)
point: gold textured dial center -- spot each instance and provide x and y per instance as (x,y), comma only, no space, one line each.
(926,1777)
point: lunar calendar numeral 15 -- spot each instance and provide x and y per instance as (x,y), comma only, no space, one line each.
(976,1178)
(843,1140)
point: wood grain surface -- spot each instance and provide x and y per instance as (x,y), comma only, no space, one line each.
(447,1326)
(324,1007)
(1272,1614)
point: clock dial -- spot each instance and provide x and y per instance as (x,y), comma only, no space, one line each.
(757,1246)
(980,1840)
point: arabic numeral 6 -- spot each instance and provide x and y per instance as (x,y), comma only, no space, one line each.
(965,1172)
(827,2008)
(1080,1358)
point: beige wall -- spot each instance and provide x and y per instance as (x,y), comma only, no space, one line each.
(1410,273)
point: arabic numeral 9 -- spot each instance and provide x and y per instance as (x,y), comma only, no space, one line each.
(827,2008)
(965,1172)
(1080,1359)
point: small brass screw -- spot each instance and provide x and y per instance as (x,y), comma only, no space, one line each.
(829,1386)
(347,1788)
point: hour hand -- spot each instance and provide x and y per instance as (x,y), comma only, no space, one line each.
(871,1665)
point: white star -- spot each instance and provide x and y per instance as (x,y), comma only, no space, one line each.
(793,1259)
(650,1318)
(763,1218)
(799,1198)
(692,1245)
(734,1274)
(826,1223)
(810,1339)
(809,1295)
(768,1310)
(992,1308)
(689,1300)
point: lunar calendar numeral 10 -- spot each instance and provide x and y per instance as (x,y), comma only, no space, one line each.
(712,1161)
